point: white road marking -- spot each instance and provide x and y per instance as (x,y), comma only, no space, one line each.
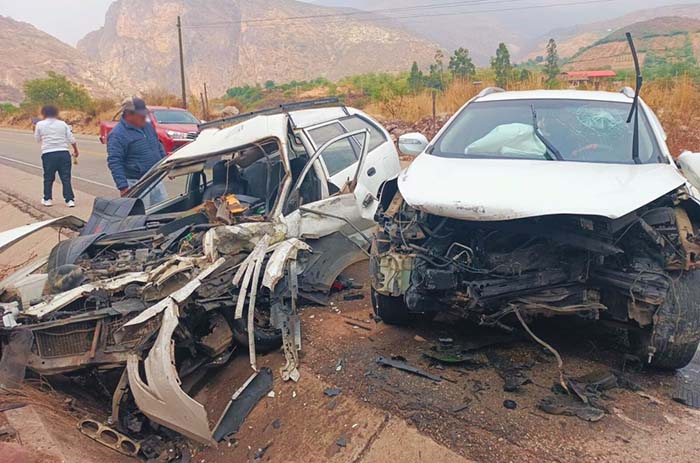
(28,164)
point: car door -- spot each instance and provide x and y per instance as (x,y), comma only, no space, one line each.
(350,211)
(340,160)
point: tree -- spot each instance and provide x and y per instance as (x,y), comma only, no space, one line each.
(416,79)
(461,65)
(524,75)
(551,64)
(57,90)
(435,78)
(501,65)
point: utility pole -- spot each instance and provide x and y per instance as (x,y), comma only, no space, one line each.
(182,63)
(206,99)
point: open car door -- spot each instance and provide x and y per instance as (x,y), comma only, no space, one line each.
(359,203)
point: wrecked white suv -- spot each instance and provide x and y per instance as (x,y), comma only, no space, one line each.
(215,243)
(546,203)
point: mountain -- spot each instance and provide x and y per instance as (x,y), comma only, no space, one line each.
(235,42)
(28,53)
(572,39)
(480,25)
(660,40)
(480,33)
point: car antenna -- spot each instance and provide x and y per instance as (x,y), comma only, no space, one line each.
(634,110)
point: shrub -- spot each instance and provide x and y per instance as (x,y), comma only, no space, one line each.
(56,89)
(7,109)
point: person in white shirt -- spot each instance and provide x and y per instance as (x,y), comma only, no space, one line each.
(56,138)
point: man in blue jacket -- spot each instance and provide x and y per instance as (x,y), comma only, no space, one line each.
(133,149)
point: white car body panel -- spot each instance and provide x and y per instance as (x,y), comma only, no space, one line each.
(503,189)
(9,237)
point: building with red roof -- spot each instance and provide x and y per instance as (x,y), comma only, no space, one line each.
(576,78)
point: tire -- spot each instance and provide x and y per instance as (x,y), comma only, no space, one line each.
(394,311)
(675,336)
(266,339)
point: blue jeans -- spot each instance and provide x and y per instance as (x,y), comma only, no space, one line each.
(57,162)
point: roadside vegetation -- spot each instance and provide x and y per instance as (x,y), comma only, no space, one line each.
(672,88)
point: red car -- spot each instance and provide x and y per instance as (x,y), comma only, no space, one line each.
(175,126)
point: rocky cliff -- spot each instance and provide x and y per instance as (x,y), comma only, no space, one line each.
(234,42)
(28,53)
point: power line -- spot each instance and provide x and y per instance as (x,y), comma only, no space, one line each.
(276,21)
(432,6)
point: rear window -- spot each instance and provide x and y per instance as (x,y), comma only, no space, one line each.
(376,136)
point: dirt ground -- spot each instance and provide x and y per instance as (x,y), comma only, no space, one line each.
(380,414)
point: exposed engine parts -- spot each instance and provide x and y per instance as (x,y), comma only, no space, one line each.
(622,270)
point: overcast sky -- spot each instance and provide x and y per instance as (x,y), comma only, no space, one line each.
(69,20)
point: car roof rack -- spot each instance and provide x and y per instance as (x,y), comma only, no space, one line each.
(489,91)
(283,108)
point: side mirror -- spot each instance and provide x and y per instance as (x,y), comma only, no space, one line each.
(412,144)
(689,163)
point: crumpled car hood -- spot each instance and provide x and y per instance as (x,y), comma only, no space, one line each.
(503,189)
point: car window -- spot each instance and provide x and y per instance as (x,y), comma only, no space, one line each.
(580,130)
(165,190)
(341,154)
(169,116)
(376,136)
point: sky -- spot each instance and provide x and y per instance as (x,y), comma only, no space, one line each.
(70,20)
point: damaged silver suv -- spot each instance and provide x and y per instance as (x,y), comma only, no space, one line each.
(546,203)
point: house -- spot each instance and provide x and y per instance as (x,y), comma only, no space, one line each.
(577,78)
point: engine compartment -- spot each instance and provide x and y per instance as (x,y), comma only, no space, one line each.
(589,266)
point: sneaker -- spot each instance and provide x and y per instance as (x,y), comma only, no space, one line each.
(70,203)
(47,202)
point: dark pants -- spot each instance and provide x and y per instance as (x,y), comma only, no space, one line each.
(57,161)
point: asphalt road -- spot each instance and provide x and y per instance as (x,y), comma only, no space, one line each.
(19,150)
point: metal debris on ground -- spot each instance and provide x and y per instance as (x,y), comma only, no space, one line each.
(567,405)
(261,451)
(353,297)
(332,391)
(462,406)
(404,366)
(456,355)
(342,441)
(583,396)
(514,375)
(109,437)
(242,402)
(510,404)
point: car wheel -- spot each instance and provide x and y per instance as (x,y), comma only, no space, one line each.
(675,336)
(394,311)
(267,339)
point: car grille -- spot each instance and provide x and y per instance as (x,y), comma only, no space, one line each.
(192,136)
(62,341)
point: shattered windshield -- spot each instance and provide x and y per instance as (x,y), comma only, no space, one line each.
(580,130)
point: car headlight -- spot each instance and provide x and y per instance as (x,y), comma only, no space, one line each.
(177,135)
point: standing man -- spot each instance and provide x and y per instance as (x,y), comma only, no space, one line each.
(55,137)
(133,148)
